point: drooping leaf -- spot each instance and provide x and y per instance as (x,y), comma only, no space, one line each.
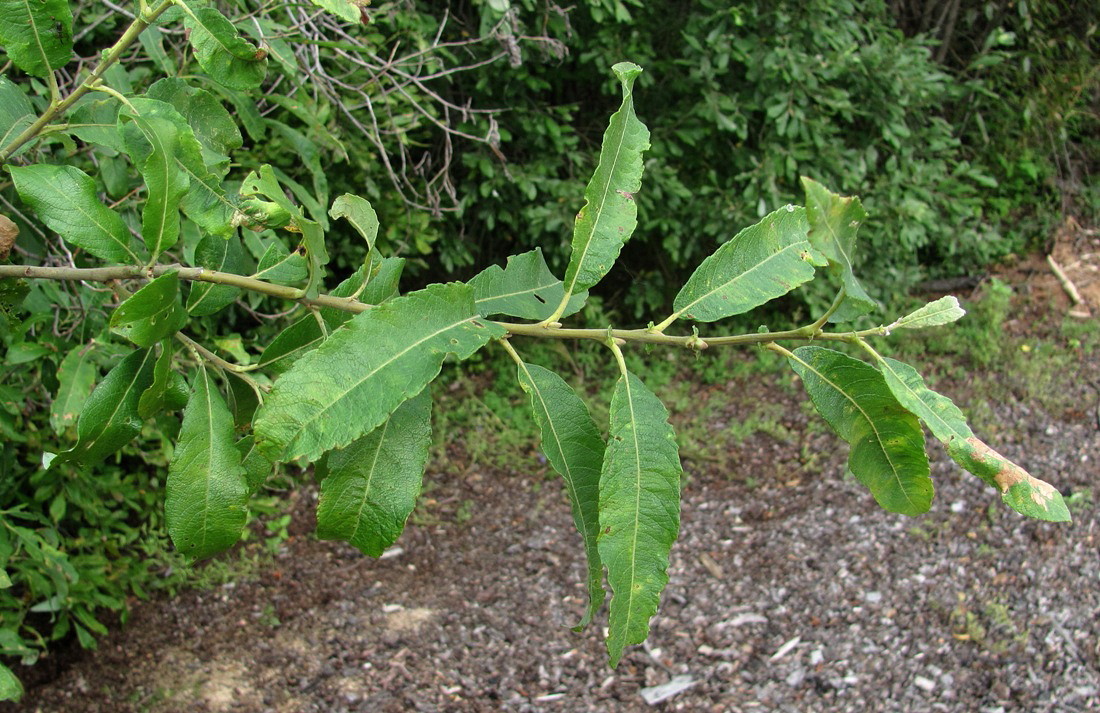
(16,114)
(573,446)
(213,125)
(37,34)
(639,510)
(887,442)
(371,486)
(523,288)
(943,311)
(10,687)
(224,255)
(834,222)
(1019,490)
(228,58)
(349,10)
(152,313)
(155,398)
(206,500)
(153,150)
(762,262)
(350,384)
(610,215)
(76,375)
(64,198)
(152,41)
(264,183)
(110,417)
(359,213)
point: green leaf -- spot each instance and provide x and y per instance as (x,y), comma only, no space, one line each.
(212,124)
(229,59)
(110,417)
(350,384)
(761,263)
(5,580)
(1019,490)
(348,10)
(155,398)
(10,687)
(152,313)
(37,34)
(76,376)
(206,501)
(256,466)
(64,197)
(359,213)
(573,446)
(639,510)
(887,443)
(291,344)
(280,266)
(96,122)
(153,150)
(943,311)
(16,114)
(834,221)
(610,215)
(224,255)
(523,288)
(371,486)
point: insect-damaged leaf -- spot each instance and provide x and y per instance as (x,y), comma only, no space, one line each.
(887,443)
(229,59)
(943,311)
(37,34)
(370,487)
(834,222)
(64,198)
(152,313)
(76,375)
(523,288)
(573,446)
(110,417)
(351,383)
(762,262)
(639,510)
(206,500)
(610,215)
(1019,490)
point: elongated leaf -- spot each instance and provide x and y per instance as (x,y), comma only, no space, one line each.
(64,198)
(110,417)
(37,34)
(153,150)
(834,222)
(523,288)
(280,266)
(213,125)
(887,443)
(1019,490)
(943,311)
(156,396)
(96,122)
(639,510)
(372,485)
(573,446)
(76,375)
(10,687)
(215,253)
(206,500)
(359,213)
(228,58)
(152,313)
(610,215)
(16,114)
(349,10)
(350,384)
(762,262)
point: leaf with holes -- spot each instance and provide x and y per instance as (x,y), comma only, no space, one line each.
(369,488)
(639,510)
(887,442)
(206,500)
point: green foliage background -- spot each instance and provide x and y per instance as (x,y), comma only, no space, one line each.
(964,141)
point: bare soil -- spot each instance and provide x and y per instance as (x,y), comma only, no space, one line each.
(790,591)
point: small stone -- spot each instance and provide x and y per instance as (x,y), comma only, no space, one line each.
(925,684)
(873,597)
(796,677)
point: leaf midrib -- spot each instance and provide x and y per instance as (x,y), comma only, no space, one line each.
(750,271)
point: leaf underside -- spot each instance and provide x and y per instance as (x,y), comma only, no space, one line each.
(639,510)
(887,443)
